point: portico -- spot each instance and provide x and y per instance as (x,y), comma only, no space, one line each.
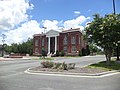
(52,41)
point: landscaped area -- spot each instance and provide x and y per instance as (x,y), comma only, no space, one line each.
(50,66)
(102,65)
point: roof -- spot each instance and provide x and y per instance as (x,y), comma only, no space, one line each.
(71,30)
(38,34)
(56,33)
(52,33)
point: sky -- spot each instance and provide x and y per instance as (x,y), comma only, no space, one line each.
(21,19)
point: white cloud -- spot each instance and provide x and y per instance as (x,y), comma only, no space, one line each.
(76,12)
(50,24)
(76,23)
(27,30)
(13,12)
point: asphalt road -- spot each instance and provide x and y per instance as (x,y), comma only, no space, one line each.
(81,61)
(12,77)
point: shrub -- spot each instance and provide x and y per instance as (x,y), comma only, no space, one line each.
(62,53)
(64,66)
(57,53)
(71,65)
(87,50)
(60,66)
(80,53)
(47,64)
(56,65)
(44,54)
(83,52)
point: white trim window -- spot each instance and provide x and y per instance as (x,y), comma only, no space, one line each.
(73,49)
(65,42)
(36,42)
(36,50)
(65,48)
(43,41)
(73,40)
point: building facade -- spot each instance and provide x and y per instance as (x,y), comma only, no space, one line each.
(70,41)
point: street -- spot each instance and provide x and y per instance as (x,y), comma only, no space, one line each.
(12,77)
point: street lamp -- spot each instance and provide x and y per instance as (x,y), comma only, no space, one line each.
(44,29)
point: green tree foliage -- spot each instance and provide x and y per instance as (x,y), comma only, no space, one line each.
(44,53)
(83,52)
(105,32)
(87,50)
(23,48)
(94,49)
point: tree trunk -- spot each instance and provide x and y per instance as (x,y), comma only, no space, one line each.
(117,51)
(108,54)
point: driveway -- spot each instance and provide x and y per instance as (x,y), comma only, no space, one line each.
(12,77)
(81,61)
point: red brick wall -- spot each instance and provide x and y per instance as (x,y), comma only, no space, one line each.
(69,35)
(80,43)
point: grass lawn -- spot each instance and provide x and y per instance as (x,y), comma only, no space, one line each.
(43,58)
(102,65)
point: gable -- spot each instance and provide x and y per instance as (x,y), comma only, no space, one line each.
(52,33)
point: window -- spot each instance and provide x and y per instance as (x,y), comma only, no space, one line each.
(36,50)
(36,42)
(65,48)
(79,40)
(73,40)
(65,40)
(73,49)
(43,41)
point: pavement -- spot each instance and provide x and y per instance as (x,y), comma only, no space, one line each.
(77,60)
(93,75)
(80,62)
(12,77)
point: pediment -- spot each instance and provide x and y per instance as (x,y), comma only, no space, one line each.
(52,33)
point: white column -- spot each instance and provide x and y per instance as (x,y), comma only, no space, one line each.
(55,44)
(48,45)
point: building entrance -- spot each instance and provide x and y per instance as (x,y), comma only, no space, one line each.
(52,45)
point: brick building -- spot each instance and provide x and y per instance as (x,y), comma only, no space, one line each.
(70,41)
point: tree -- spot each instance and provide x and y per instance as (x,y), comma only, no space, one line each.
(94,49)
(44,54)
(23,48)
(105,32)
(87,50)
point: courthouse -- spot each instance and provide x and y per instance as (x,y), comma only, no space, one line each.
(70,41)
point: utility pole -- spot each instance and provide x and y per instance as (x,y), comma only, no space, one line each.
(114,6)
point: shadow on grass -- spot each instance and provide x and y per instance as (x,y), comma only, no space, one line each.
(103,65)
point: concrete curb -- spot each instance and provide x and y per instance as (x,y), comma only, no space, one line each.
(103,74)
(12,59)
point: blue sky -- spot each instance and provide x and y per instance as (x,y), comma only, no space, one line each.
(21,19)
(64,9)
